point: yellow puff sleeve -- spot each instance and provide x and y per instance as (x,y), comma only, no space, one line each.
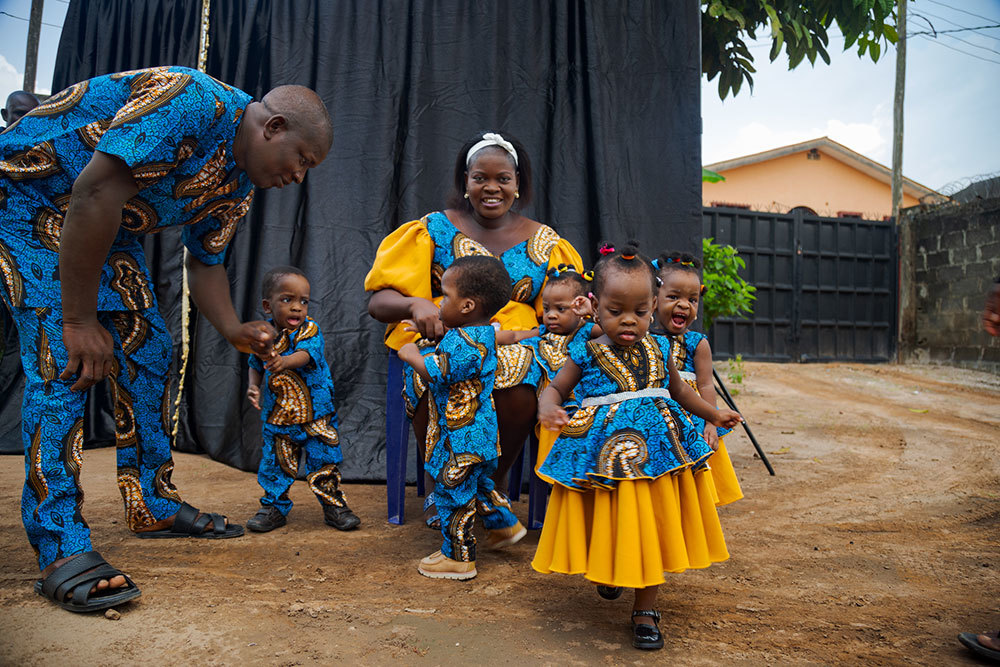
(562,253)
(403,263)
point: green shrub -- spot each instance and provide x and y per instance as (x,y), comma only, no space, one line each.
(727,294)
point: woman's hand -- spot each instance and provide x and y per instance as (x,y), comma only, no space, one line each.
(426,318)
(726,418)
(711,434)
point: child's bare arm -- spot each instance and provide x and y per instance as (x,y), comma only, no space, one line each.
(253,390)
(410,354)
(703,371)
(706,387)
(550,410)
(693,403)
(294,360)
(506,337)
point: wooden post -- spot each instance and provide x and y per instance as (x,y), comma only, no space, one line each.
(897,112)
(31,52)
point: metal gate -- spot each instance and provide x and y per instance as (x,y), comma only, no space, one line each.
(826,287)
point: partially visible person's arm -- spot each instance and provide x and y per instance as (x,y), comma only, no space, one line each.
(210,291)
(991,313)
(89,229)
(254,378)
(388,305)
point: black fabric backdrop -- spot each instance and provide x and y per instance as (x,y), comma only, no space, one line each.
(604,95)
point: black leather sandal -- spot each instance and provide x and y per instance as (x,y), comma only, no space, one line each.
(647,637)
(77,576)
(187,523)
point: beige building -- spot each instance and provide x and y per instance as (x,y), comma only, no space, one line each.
(820,176)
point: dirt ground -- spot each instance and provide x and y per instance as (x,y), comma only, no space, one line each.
(877,542)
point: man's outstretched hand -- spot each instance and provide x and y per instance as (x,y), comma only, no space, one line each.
(255,337)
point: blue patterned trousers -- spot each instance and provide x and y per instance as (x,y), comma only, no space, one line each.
(460,495)
(279,463)
(52,427)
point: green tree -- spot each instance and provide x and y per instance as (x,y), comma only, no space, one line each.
(800,27)
(726,293)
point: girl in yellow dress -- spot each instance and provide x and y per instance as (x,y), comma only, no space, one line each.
(630,500)
(677,302)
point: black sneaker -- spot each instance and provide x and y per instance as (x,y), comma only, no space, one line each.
(341,518)
(266,519)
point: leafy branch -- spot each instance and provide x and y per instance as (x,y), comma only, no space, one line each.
(800,27)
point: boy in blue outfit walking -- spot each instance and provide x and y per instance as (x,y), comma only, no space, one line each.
(294,392)
(462,444)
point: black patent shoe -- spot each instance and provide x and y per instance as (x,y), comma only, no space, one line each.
(647,637)
(341,518)
(266,519)
(609,592)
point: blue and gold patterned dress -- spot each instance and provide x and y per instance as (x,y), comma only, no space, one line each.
(628,503)
(413,258)
(727,485)
(462,441)
(298,414)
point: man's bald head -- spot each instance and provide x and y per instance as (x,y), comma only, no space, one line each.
(304,111)
(18,103)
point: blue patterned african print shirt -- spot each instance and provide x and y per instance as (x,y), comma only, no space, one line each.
(462,428)
(297,395)
(173,126)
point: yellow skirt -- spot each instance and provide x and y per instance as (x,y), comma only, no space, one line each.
(632,535)
(727,486)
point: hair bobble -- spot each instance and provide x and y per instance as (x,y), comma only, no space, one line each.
(678,260)
(606,249)
(703,290)
(659,281)
(656,264)
(588,276)
(628,258)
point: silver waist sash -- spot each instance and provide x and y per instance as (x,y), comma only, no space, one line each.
(608,399)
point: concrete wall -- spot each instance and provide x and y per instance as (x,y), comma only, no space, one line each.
(951,255)
(826,185)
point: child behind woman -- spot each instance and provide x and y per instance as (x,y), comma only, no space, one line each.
(294,392)
(462,444)
(626,505)
(676,310)
(564,297)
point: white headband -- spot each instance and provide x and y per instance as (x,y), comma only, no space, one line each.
(491,139)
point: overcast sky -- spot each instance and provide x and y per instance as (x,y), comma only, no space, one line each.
(952,93)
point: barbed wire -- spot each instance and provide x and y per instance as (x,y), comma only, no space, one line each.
(988,181)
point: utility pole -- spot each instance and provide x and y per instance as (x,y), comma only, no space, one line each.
(897,112)
(31,53)
(907,250)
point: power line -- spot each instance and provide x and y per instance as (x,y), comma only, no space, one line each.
(946,20)
(965,41)
(19,18)
(934,41)
(945,32)
(978,16)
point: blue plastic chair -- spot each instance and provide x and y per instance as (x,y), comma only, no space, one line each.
(397,439)
(538,491)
